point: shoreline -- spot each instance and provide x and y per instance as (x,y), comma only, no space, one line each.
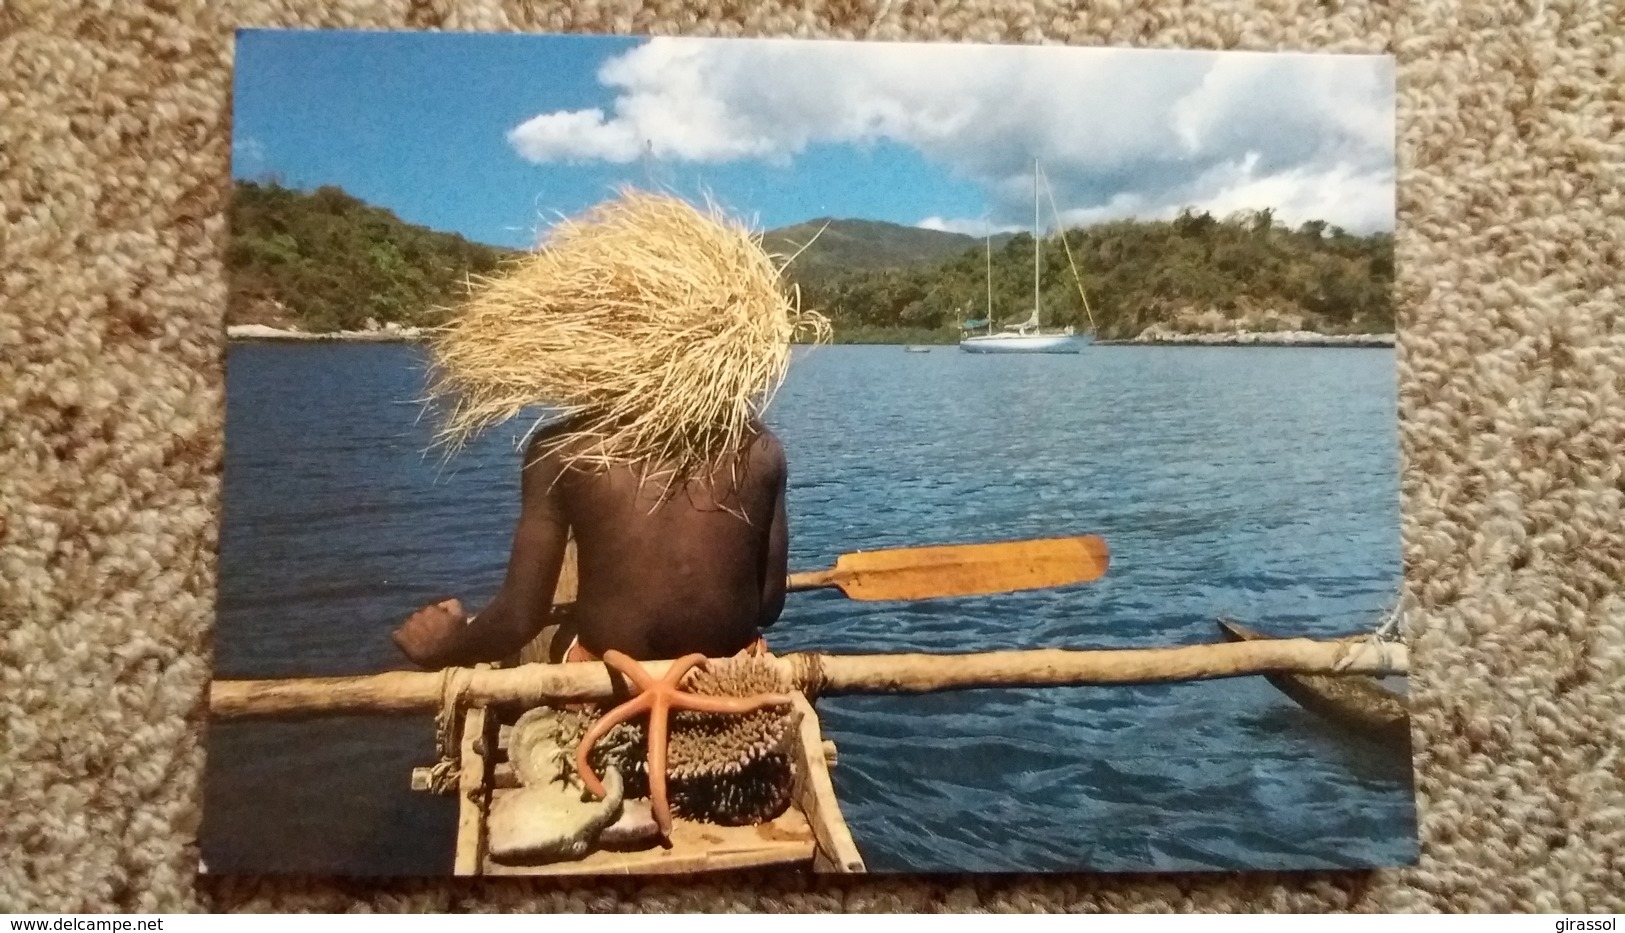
(1290,338)
(387,334)
(1308,339)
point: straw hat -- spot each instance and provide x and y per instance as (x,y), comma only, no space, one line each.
(659,331)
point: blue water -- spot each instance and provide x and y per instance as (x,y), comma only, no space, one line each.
(1261,483)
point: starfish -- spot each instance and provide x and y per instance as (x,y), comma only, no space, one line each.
(658,698)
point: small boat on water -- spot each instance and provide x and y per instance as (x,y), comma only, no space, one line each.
(917,349)
(1362,704)
(1028,336)
(504,732)
(1021,342)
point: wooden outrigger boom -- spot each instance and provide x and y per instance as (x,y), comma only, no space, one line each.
(812,833)
(418,692)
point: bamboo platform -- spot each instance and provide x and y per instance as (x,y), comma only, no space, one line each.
(811,835)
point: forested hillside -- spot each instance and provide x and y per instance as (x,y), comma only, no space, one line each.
(1193,274)
(839,247)
(328,261)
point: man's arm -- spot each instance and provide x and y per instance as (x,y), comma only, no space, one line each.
(777,567)
(520,609)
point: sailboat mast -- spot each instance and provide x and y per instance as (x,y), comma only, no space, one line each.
(988,241)
(1037,239)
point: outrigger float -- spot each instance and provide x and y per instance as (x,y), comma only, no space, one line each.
(1360,704)
(477,710)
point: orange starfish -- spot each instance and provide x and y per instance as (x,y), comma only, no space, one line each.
(658,698)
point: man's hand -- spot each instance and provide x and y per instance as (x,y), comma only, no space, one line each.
(431,633)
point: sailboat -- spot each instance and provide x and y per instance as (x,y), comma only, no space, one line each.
(1028,336)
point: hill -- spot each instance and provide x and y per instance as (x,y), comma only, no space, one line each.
(326,260)
(840,247)
(1194,274)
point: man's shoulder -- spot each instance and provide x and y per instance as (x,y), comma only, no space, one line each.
(545,448)
(764,438)
(766,448)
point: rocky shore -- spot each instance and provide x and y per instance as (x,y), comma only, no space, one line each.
(388,332)
(1285,338)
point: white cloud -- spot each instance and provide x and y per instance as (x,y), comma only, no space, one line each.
(248,154)
(576,135)
(970,227)
(1117,130)
(1356,200)
(1351,198)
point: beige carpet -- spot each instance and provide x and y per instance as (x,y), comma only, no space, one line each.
(114,143)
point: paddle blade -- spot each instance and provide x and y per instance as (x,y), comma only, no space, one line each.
(969,569)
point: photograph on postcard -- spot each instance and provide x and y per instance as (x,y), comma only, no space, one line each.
(677,455)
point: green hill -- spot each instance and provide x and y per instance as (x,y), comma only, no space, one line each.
(840,247)
(1194,274)
(326,261)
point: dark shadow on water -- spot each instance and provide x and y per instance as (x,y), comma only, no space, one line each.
(1372,759)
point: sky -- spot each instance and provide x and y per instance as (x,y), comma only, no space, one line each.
(493,136)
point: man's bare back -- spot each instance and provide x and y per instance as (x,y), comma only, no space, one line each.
(663,572)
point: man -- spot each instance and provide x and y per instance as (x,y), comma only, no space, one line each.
(659,331)
(665,568)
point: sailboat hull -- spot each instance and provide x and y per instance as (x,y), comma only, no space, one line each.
(1024,343)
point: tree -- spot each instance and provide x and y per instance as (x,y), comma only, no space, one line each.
(1191,224)
(1263,221)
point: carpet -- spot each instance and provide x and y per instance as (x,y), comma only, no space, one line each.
(114,156)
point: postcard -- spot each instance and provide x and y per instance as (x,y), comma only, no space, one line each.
(678,455)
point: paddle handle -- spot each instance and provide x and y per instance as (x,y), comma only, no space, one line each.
(811,580)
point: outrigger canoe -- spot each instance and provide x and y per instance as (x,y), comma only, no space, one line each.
(475,706)
(1359,703)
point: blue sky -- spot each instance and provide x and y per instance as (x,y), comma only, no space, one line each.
(418,122)
(490,135)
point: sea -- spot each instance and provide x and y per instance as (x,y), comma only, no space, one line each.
(1260,483)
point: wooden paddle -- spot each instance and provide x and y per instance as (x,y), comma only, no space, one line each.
(934,572)
(961,569)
